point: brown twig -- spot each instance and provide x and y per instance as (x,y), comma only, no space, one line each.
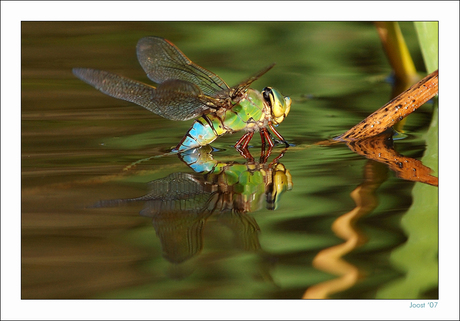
(394,111)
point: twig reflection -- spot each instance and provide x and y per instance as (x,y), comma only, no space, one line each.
(331,259)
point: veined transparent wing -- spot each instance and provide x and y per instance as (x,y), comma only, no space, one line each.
(244,85)
(163,61)
(173,99)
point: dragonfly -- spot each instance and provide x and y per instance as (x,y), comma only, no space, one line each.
(187,91)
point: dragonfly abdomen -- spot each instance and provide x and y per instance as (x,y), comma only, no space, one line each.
(204,131)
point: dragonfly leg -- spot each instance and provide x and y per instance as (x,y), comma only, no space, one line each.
(246,154)
(277,158)
(265,134)
(265,155)
(244,141)
(278,134)
(262,137)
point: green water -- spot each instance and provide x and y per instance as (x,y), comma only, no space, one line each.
(76,142)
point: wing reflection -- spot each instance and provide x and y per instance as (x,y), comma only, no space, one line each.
(180,203)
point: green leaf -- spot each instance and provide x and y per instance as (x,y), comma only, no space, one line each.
(427,33)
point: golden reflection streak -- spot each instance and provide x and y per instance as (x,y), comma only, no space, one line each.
(331,260)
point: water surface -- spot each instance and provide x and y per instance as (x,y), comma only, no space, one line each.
(343,231)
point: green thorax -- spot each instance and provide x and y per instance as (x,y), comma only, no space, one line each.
(249,113)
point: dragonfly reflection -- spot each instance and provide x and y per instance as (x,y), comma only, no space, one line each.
(181,203)
(187,91)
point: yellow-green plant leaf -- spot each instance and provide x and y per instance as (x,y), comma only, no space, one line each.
(427,33)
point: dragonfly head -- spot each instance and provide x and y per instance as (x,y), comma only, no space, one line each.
(279,105)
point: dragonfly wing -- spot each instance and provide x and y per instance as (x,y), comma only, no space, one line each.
(163,61)
(175,100)
(181,100)
(118,86)
(242,86)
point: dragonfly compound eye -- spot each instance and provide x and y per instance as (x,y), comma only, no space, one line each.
(266,93)
(280,105)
